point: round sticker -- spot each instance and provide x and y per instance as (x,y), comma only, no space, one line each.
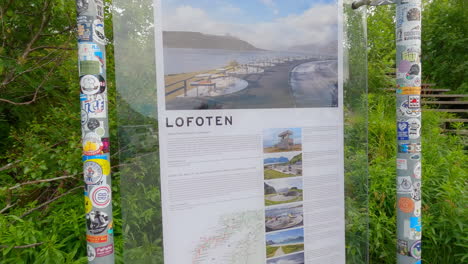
(415,250)
(92,84)
(93,123)
(101,196)
(100,131)
(91,253)
(92,172)
(92,144)
(98,32)
(406,205)
(404,66)
(97,222)
(88,204)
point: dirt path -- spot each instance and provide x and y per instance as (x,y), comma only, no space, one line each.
(279,252)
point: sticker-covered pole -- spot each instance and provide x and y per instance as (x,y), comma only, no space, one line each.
(408,61)
(95,131)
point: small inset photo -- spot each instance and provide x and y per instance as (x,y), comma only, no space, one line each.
(284,242)
(285,190)
(282,165)
(290,259)
(282,140)
(283,217)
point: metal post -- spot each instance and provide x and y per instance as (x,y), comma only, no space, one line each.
(408,61)
(95,131)
(408,77)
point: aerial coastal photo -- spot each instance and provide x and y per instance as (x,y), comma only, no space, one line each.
(283,217)
(248,54)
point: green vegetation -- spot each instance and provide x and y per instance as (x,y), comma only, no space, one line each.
(293,248)
(296,159)
(43,222)
(274,174)
(270,251)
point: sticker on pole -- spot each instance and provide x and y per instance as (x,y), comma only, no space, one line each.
(97,222)
(415,250)
(91,253)
(403,130)
(406,205)
(404,184)
(101,196)
(92,84)
(104,251)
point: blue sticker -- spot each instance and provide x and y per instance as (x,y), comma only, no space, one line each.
(104,157)
(415,222)
(403,130)
(403,148)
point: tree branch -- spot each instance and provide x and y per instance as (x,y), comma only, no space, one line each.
(46,78)
(45,20)
(43,180)
(51,47)
(50,201)
(9,165)
(24,246)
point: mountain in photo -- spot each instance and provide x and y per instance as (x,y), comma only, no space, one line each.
(197,40)
(275,160)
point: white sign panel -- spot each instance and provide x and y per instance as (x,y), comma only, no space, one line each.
(250,101)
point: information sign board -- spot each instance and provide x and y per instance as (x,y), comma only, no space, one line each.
(250,110)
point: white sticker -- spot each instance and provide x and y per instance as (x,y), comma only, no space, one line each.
(402,164)
(417,208)
(414,128)
(404,184)
(91,253)
(414,101)
(101,196)
(417,170)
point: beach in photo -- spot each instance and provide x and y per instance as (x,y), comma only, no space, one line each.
(283,217)
(282,165)
(242,54)
(284,242)
(282,140)
(289,259)
(286,190)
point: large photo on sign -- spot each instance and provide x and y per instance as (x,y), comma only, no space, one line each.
(247,54)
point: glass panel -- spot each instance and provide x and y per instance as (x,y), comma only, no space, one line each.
(138,131)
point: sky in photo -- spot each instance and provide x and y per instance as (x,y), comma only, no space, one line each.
(270,136)
(281,236)
(266,24)
(279,184)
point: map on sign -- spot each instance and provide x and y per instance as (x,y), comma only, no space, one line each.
(234,240)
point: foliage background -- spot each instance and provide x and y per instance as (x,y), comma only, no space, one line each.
(42,215)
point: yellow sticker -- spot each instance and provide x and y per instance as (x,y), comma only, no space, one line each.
(105,165)
(411,90)
(88,204)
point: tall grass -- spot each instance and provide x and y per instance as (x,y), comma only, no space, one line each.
(445,214)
